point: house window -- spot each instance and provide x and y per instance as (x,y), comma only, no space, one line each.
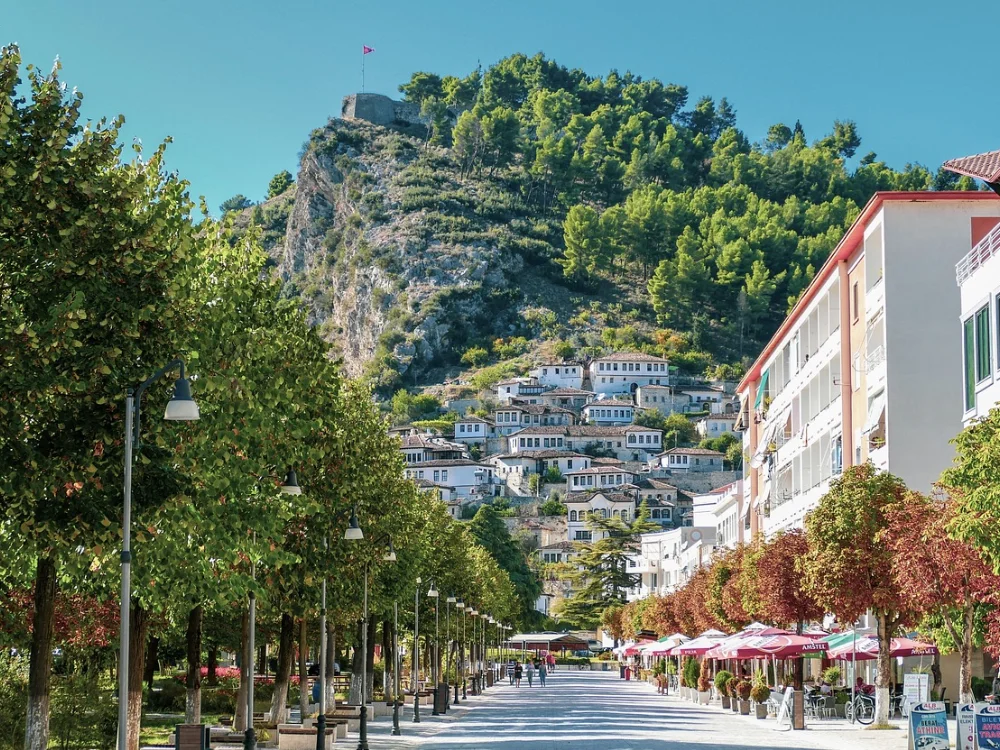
(983,341)
(569,463)
(600,366)
(522,443)
(631,438)
(837,455)
(461,428)
(444,475)
(437,475)
(854,301)
(970,364)
(538,442)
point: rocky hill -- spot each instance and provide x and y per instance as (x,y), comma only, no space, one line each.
(405,263)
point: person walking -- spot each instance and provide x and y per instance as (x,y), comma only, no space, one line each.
(530,669)
(551,659)
(517,674)
(542,672)
(510,671)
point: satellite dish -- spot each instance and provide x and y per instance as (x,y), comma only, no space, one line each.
(695,535)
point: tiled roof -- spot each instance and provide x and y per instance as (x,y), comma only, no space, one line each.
(984,166)
(609,403)
(541,454)
(601,470)
(567,391)
(473,418)
(630,357)
(534,408)
(583,497)
(652,483)
(447,462)
(583,431)
(427,484)
(568,546)
(692,452)
(421,441)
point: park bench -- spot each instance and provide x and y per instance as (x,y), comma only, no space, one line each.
(192,737)
(350,714)
(297,737)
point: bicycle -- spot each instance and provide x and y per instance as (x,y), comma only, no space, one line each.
(861,708)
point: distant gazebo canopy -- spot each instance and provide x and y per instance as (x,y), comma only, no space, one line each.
(548,641)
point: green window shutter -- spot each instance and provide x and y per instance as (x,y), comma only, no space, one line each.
(970,365)
(983,343)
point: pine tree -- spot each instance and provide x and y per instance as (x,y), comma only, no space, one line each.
(584,244)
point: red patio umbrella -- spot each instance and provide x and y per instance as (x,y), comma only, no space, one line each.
(867,648)
(776,646)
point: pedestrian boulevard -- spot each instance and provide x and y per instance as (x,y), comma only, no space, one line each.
(597,711)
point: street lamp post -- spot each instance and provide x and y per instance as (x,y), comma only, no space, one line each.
(180,408)
(395,669)
(473,648)
(390,556)
(447,647)
(460,652)
(416,653)
(436,652)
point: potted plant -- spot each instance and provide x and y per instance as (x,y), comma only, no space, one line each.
(722,680)
(760,691)
(734,694)
(704,686)
(831,676)
(745,687)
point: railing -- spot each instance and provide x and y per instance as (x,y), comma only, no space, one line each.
(875,358)
(985,249)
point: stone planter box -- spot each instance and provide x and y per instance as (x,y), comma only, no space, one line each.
(725,703)
(761,709)
(744,707)
(704,697)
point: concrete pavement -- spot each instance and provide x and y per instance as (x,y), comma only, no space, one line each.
(597,711)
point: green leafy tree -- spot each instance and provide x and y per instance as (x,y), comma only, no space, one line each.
(435,112)
(501,136)
(422,86)
(279,184)
(468,144)
(236,203)
(491,533)
(584,243)
(475,356)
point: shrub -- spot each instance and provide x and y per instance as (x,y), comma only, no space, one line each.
(759,689)
(722,680)
(831,675)
(703,678)
(475,356)
(691,669)
(13,696)
(168,697)
(552,507)
(743,688)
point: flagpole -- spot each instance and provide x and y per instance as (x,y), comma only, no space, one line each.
(363,56)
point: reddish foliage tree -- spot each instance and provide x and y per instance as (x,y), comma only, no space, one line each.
(661,616)
(79,621)
(940,575)
(725,596)
(782,594)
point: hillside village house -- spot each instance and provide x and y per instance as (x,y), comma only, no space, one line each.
(580,505)
(597,477)
(559,374)
(664,398)
(418,449)
(716,425)
(527,389)
(691,459)
(557,552)
(660,497)
(609,412)
(441,491)
(513,469)
(712,400)
(978,278)
(467,479)
(567,398)
(516,415)
(624,372)
(473,430)
(667,559)
(629,443)
(839,383)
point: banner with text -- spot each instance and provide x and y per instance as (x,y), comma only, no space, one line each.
(929,726)
(987,726)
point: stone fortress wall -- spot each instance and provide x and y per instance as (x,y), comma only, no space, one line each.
(380,110)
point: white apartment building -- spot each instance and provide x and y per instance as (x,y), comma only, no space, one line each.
(559,374)
(597,477)
(691,460)
(664,398)
(712,400)
(527,389)
(472,430)
(624,372)
(667,559)
(516,415)
(466,478)
(978,277)
(609,412)
(848,377)
(567,398)
(417,449)
(579,506)
(720,508)
(628,443)
(715,425)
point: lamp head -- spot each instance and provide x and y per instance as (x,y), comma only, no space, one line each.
(291,484)
(181,407)
(354,531)
(473,612)
(390,556)
(460,604)
(433,592)
(450,599)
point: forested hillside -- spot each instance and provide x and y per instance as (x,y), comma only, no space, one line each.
(543,209)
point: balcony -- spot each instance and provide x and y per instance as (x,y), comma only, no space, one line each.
(985,249)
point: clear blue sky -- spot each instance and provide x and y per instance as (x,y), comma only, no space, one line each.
(239,85)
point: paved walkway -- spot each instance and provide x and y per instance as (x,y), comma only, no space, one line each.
(597,711)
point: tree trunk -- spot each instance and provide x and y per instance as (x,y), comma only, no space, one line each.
(192,710)
(136,668)
(286,642)
(303,667)
(152,654)
(331,654)
(36,725)
(213,665)
(799,674)
(936,673)
(884,675)
(965,649)
(240,717)
(386,658)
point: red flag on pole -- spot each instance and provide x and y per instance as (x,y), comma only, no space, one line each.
(365,49)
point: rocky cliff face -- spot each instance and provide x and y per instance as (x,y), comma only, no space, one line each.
(402,261)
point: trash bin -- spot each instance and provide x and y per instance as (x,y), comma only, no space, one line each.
(621,671)
(441,696)
(628,673)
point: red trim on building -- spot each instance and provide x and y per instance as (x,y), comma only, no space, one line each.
(847,245)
